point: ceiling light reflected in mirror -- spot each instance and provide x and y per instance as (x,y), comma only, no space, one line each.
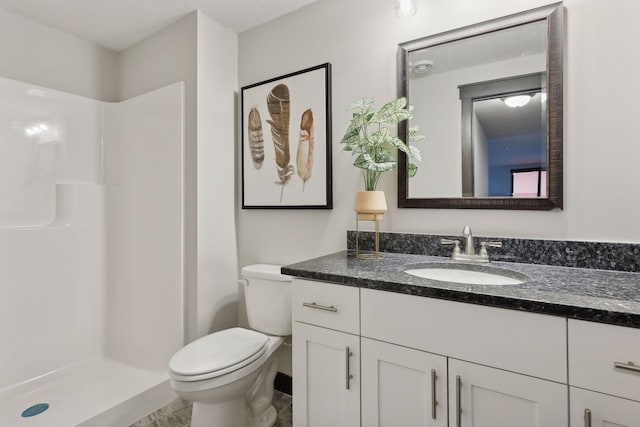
(517,100)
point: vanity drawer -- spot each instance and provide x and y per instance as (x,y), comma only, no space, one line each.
(528,343)
(594,351)
(328,305)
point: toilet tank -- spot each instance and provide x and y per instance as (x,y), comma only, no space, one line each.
(267,295)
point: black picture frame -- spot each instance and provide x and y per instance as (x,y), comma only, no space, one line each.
(286,141)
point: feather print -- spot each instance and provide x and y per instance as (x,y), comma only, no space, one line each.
(304,156)
(278,106)
(256,141)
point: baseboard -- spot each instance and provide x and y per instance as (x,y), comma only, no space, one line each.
(283,383)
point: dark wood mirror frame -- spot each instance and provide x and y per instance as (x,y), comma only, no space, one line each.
(553,15)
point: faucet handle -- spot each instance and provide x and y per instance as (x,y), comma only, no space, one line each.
(483,247)
(492,244)
(456,247)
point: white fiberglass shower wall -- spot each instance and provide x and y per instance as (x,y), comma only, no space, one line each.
(91,264)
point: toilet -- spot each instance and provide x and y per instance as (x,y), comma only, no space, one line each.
(229,375)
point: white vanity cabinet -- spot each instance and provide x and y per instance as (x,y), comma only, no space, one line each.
(483,396)
(326,354)
(407,387)
(604,374)
(363,357)
(505,368)
(591,409)
(402,387)
(326,386)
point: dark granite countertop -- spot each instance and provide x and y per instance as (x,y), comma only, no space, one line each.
(597,295)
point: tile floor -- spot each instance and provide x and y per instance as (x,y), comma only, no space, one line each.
(178,414)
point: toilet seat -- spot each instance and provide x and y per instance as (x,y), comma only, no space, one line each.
(217,354)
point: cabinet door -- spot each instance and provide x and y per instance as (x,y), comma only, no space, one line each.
(402,387)
(590,409)
(601,358)
(326,384)
(486,397)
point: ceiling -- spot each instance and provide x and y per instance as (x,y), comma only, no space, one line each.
(507,44)
(118,24)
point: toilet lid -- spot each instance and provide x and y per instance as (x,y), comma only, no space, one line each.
(218,351)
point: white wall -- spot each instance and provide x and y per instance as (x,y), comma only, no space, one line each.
(217,81)
(202,54)
(166,57)
(35,53)
(360,38)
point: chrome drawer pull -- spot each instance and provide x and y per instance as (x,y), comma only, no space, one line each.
(630,366)
(587,418)
(348,354)
(320,307)
(434,402)
(458,401)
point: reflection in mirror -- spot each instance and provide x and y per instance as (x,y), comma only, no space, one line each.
(488,98)
(503,129)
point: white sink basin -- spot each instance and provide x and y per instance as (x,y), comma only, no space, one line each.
(466,275)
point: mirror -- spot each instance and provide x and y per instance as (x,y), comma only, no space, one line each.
(488,98)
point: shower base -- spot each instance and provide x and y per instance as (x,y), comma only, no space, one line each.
(94,393)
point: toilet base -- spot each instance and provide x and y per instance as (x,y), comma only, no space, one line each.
(267,418)
(228,413)
(251,410)
(260,411)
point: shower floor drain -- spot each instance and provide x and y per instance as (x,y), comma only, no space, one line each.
(34,410)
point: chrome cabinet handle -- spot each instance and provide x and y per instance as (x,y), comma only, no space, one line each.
(434,402)
(629,366)
(320,307)
(587,418)
(348,355)
(458,401)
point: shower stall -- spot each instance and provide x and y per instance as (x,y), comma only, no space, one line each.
(91,255)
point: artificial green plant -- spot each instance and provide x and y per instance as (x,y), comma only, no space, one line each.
(369,138)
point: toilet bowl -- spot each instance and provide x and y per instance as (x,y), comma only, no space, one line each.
(229,375)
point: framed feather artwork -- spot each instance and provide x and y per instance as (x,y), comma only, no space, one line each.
(286,141)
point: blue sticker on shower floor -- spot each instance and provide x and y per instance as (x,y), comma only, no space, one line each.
(34,410)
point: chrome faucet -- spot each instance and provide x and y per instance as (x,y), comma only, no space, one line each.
(469,250)
(468,247)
